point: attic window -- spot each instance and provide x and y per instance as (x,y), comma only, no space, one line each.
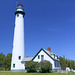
(38,56)
(42,57)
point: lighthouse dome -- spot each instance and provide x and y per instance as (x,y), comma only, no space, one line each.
(20,9)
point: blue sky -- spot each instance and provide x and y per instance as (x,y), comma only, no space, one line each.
(48,23)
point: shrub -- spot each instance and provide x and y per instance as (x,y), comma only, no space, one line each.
(31,66)
(1,69)
(45,66)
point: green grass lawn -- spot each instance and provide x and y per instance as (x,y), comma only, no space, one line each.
(22,73)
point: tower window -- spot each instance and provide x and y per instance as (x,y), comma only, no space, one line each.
(19,57)
(38,56)
(13,65)
(17,15)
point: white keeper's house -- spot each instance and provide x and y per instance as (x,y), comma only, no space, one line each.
(45,55)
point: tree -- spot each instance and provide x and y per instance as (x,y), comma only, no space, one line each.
(68,63)
(7,61)
(45,66)
(2,56)
(72,64)
(62,63)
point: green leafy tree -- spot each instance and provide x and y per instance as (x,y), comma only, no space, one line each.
(62,63)
(2,56)
(72,64)
(68,63)
(7,61)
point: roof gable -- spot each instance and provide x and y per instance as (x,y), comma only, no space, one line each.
(46,53)
(37,54)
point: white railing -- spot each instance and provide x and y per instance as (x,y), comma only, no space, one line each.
(62,71)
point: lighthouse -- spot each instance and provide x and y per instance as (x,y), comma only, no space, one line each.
(18,42)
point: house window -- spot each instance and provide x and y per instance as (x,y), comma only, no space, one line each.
(19,57)
(57,57)
(42,57)
(13,65)
(54,55)
(58,64)
(38,56)
(55,64)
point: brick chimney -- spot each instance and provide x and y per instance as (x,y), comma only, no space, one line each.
(49,49)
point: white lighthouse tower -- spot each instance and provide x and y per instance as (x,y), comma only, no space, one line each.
(18,43)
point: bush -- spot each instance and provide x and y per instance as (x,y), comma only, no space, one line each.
(31,66)
(45,66)
(1,69)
